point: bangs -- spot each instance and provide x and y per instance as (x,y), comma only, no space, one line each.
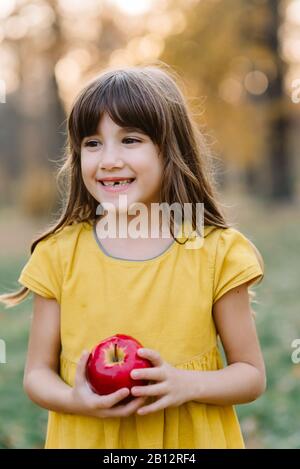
(129,101)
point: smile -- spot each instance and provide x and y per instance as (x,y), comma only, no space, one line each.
(116,186)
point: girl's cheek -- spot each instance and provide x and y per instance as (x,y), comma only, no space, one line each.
(88,163)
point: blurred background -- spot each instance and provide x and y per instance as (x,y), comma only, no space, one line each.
(239,63)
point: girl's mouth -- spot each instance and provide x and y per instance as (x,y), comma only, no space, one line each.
(116,186)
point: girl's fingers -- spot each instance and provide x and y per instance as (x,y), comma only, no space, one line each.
(126,409)
(149,390)
(151,355)
(135,403)
(153,407)
(109,400)
(154,374)
(80,370)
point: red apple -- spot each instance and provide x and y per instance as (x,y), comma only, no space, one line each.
(110,363)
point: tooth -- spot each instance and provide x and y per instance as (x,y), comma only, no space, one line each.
(108,183)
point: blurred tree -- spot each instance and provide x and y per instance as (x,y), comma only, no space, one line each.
(33,112)
(210,56)
(47,52)
(279,119)
(229,53)
(33,202)
(262,26)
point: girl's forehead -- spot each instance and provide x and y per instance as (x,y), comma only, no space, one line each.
(106,123)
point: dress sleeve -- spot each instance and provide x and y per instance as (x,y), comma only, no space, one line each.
(237,261)
(42,274)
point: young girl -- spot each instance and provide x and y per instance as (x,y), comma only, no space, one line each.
(133,124)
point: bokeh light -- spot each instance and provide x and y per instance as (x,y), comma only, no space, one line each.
(7,7)
(293,12)
(231,90)
(256,82)
(133,7)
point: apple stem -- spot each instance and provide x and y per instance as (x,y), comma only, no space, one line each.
(116,353)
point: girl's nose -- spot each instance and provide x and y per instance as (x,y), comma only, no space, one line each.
(110,159)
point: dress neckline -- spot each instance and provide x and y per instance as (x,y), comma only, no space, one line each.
(166,252)
(110,257)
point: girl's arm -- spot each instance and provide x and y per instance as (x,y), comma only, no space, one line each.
(244,379)
(42,382)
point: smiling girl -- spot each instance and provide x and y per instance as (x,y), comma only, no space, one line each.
(132,127)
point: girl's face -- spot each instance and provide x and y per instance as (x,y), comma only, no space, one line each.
(117,152)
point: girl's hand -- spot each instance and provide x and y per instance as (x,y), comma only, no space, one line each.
(86,402)
(172,387)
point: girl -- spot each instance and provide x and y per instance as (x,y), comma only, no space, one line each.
(133,124)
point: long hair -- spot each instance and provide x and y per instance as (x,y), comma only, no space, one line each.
(150,99)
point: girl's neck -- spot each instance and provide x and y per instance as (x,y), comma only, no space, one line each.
(133,227)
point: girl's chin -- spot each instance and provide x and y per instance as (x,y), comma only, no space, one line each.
(118,207)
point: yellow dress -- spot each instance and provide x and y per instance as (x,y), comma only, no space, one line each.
(165,302)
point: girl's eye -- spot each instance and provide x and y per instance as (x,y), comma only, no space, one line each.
(91,143)
(132,140)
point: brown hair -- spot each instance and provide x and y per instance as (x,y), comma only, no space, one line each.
(148,98)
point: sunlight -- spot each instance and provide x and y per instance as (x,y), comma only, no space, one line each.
(133,7)
(7,7)
(76,6)
(293,12)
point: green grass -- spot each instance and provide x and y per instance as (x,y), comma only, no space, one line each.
(269,422)
(22,424)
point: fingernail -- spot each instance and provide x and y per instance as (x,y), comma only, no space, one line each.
(141,351)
